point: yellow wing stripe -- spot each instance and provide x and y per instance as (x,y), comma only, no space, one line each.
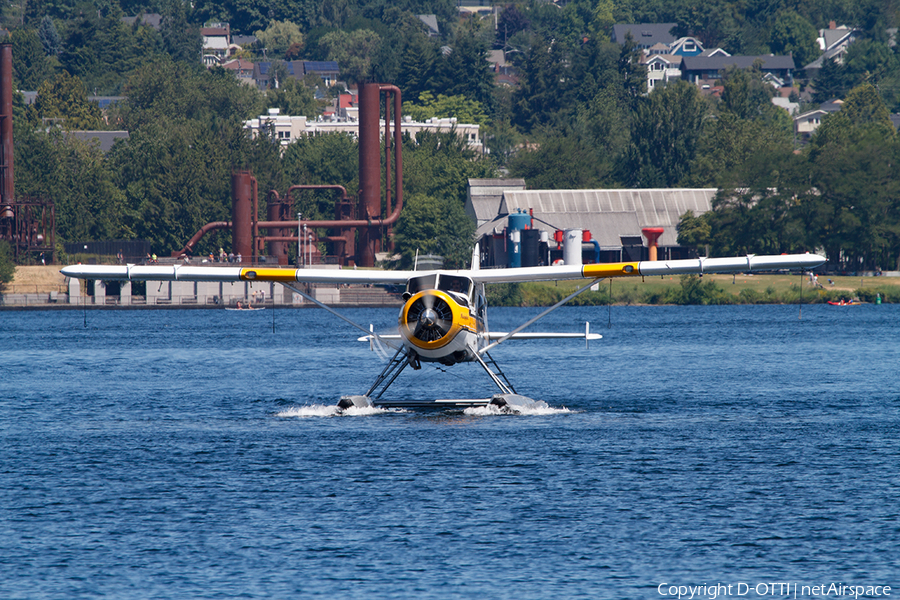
(268,274)
(629,269)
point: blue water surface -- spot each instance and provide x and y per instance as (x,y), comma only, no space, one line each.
(196,454)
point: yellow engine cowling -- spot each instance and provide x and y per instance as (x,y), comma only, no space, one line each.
(437,327)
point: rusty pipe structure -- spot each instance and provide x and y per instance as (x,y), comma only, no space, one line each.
(395,91)
(7,181)
(245,222)
(189,247)
(370,166)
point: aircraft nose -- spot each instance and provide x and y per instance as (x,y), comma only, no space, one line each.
(428,318)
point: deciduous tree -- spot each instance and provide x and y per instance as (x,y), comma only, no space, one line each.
(665,135)
(279,36)
(65,98)
(793,34)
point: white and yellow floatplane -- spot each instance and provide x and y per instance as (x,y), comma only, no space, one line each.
(444,315)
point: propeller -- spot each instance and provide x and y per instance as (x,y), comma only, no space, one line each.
(430,318)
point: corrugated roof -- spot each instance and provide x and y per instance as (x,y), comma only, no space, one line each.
(609,214)
(484,196)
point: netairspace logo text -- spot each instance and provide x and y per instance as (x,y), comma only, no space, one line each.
(771,590)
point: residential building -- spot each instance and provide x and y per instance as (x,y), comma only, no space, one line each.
(702,69)
(242,69)
(686,46)
(504,72)
(805,124)
(661,51)
(216,39)
(661,69)
(431,25)
(327,71)
(645,35)
(833,42)
(153,20)
(219,45)
(287,128)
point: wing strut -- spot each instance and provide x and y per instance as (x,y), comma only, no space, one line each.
(540,316)
(389,374)
(338,315)
(504,388)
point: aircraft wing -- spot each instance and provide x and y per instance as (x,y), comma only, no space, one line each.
(496,335)
(185,272)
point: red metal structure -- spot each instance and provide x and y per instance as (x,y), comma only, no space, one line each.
(652,234)
(7,187)
(354,240)
(28,225)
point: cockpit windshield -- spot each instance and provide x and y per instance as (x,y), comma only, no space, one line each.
(453,283)
(417,284)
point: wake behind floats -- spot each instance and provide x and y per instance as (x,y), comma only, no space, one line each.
(444,316)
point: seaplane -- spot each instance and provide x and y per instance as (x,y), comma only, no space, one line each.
(444,315)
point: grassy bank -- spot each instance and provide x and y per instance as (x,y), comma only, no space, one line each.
(709,289)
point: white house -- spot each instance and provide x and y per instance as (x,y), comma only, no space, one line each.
(289,128)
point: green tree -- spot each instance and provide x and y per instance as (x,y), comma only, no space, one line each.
(831,81)
(465,110)
(352,51)
(279,36)
(175,176)
(7,266)
(793,34)
(439,165)
(853,158)
(326,159)
(745,127)
(74,173)
(545,84)
(746,95)
(50,39)
(464,70)
(89,206)
(561,162)
(869,61)
(30,65)
(430,225)
(293,98)
(416,68)
(163,90)
(180,38)
(241,15)
(665,134)
(693,231)
(501,140)
(863,110)
(632,74)
(64,97)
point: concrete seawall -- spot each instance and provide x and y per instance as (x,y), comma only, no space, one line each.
(44,287)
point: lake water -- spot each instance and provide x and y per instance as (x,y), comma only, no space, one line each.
(196,454)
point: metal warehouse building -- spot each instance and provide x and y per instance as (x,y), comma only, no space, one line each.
(610,223)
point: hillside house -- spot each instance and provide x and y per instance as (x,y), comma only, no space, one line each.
(709,69)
